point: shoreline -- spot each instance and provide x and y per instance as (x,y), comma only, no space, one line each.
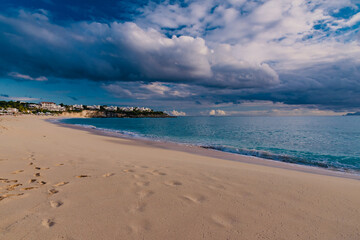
(208,152)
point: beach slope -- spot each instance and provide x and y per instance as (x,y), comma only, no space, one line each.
(64,183)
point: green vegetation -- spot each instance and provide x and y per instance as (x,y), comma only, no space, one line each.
(138,113)
(19,105)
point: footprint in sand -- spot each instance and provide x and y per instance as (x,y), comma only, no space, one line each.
(129,166)
(157,173)
(223,220)
(173,183)
(5,180)
(40,168)
(83,176)
(39,182)
(142,184)
(140,226)
(60,184)
(12,187)
(145,193)
(56,204)
(27,188)
(52,191)
(139,176)
(31,163)
(17,171)
(138,207)
(2,197)
(37,174)
(47,223)
(108,175)
(194,198)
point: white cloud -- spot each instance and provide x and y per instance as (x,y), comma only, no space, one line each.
(353,20)
(280,32)
(155,90)
(27,77)
(230,70)
(24,99)
(288,111)
(217,112)
(160,57)
(177,113)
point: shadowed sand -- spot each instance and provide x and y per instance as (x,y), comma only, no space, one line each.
(85,186)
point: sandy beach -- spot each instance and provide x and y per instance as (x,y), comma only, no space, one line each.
(66,183)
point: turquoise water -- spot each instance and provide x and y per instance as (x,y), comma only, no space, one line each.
(329,142)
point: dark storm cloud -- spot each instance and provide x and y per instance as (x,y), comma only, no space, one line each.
(334,86)
(32,46)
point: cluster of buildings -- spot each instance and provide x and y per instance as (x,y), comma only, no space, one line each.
(109,108)
(81,107)
(127,109)
(50,106)
(8,111)
(53,107)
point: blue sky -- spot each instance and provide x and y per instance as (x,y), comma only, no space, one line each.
(204,57)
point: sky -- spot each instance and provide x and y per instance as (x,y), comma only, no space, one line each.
(194,57)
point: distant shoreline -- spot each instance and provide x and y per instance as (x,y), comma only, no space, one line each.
(110,114)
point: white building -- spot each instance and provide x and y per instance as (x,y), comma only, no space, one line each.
(143,109)
(46,105)
(111,108)
(8,111)
(12,110)
(94,107)
(52,107)
(78,107)
(33,105)
(127,109)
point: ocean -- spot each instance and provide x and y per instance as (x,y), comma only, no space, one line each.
(327,142)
